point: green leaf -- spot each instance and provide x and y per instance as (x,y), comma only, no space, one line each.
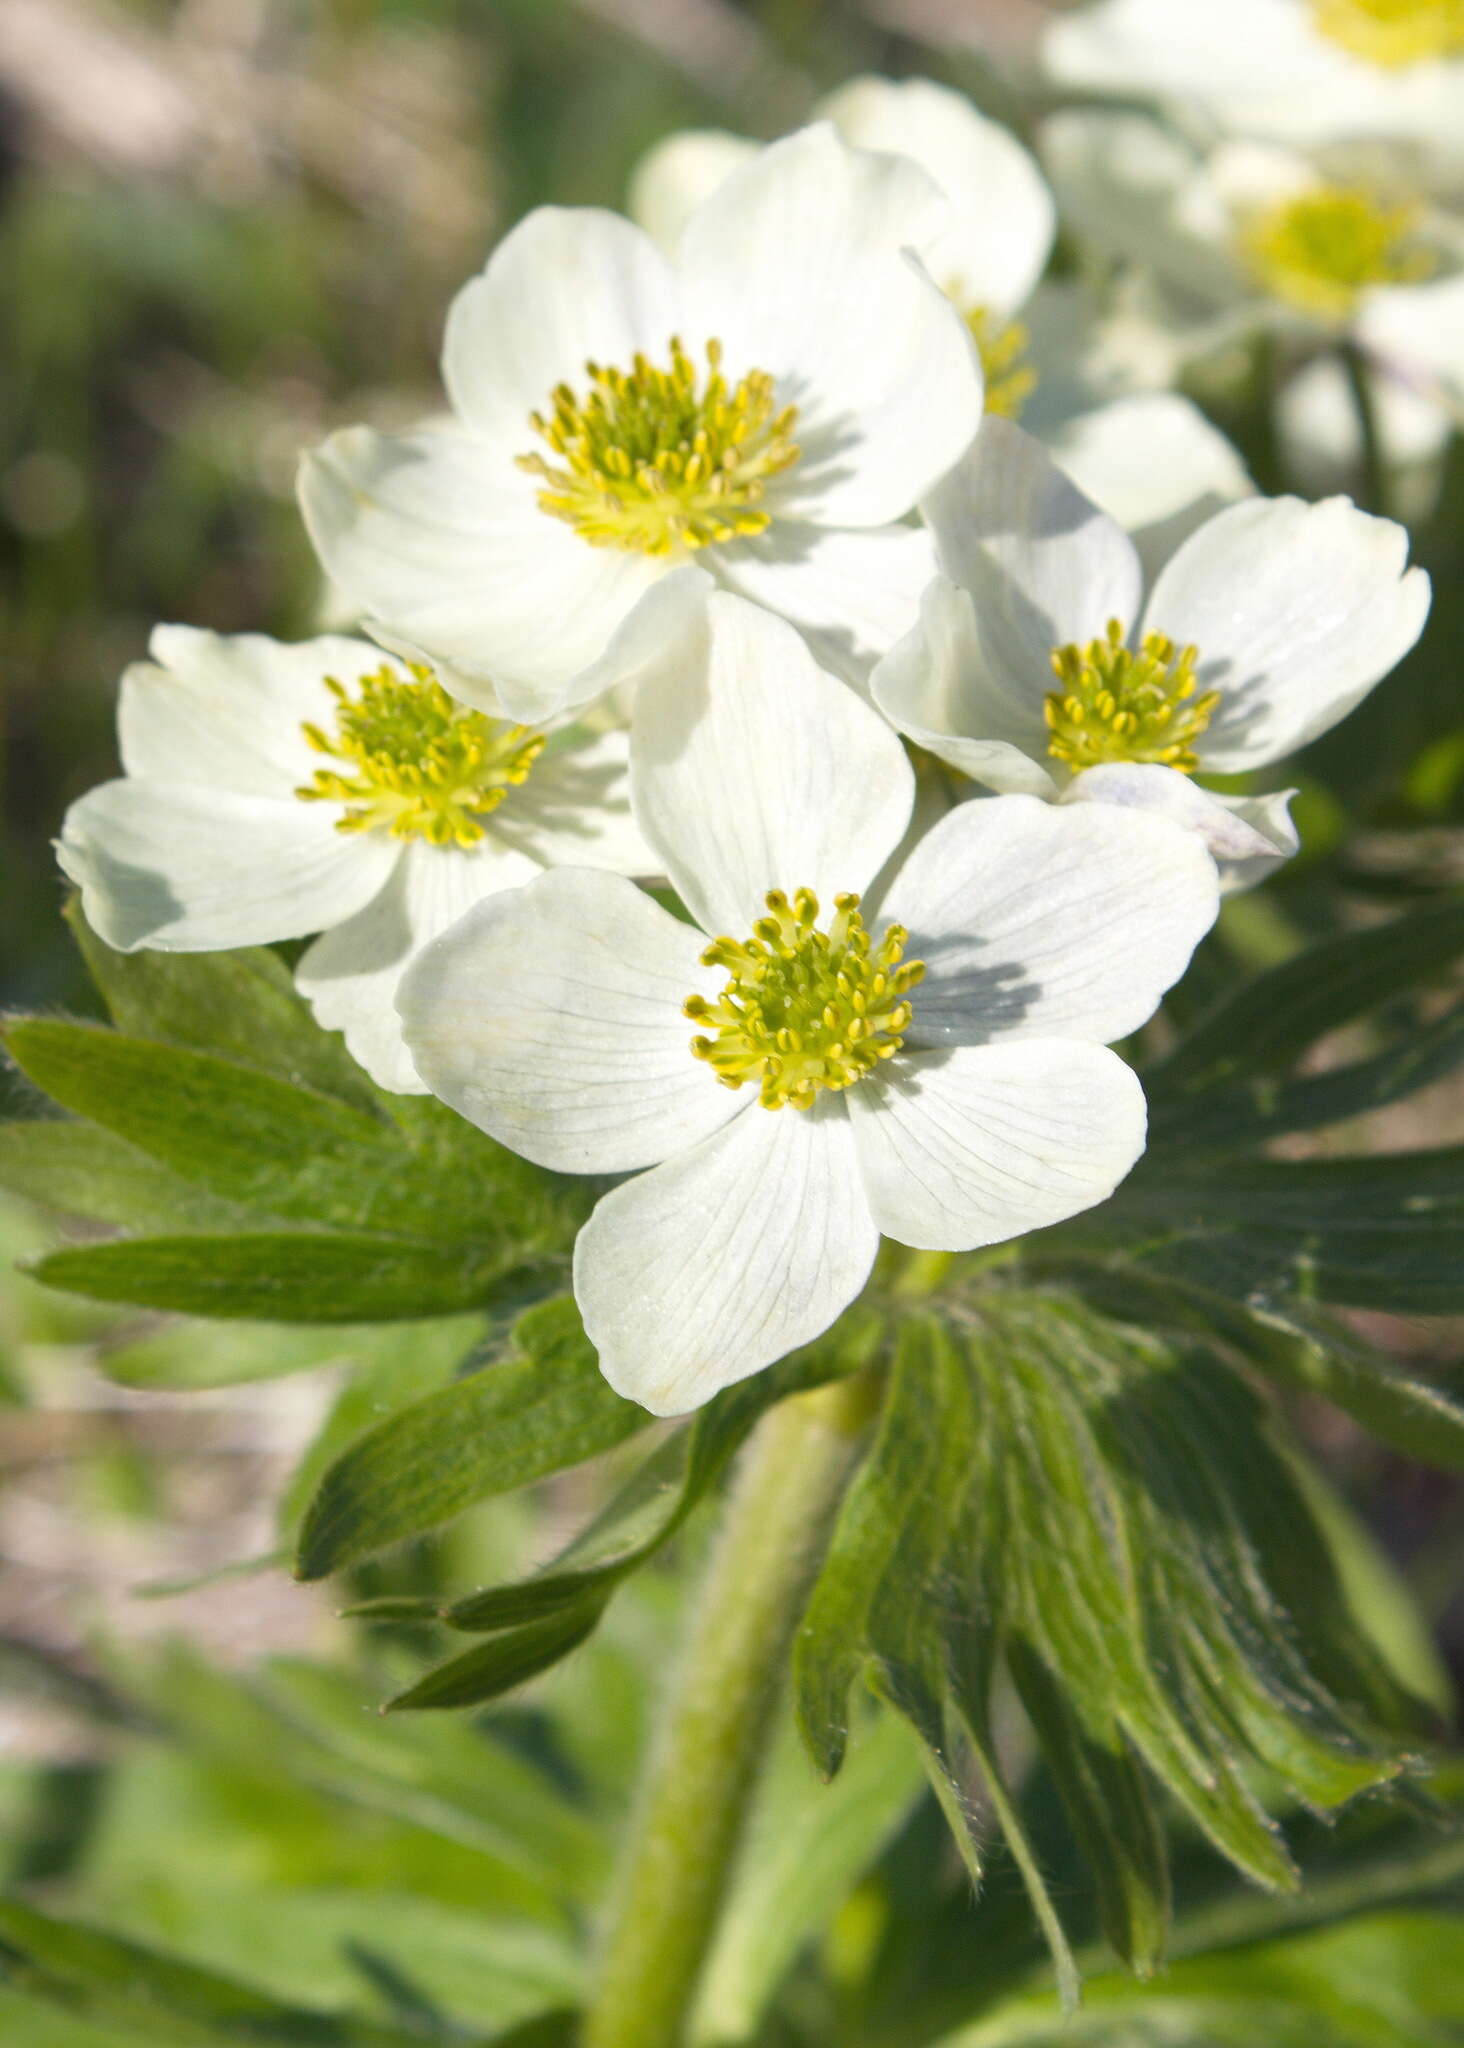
(84,1171)
(495,1666)
(504,1426)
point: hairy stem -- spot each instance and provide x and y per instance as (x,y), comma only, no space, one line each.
(715,1727)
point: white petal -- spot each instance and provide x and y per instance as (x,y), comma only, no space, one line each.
(727,1257)
(678,175)
(1156,464)
(1419,332)
(227,711)
(985,1142)
(1042,563)
(550,1016)
(1247,836)
(440,539)
(569,285)
(800,265)
(1046,920)
(852,592)
(189,870)
(1297,611)
(758,771)
(1321,437)
(936,686)
(574,810)
(1002,215)
(1180,51)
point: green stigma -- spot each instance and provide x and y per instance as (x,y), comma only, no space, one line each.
(1002,347)
(415,763)
(1115,705)
(805,1009)
(1393,33)
(1321,249)
(660,462)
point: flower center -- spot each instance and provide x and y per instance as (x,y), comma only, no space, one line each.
(1393,33)
(805,1009)
(415,763)
(658,461)
(1002,347)
(1115,705)
(1322,249)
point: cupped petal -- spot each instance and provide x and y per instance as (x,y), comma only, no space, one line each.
(228,711)
(727,1257)
(984,1142)
(680,174)
(1043,565)
(1002,221)
(1156,464)
(937,687)
(350,976)
(551,1017)
(1297,611)
(574,810)
(1247,836)
(1040,920)
(754,770)
(851,591)
(443,542)
(187,870)
(800,265)
(567,287)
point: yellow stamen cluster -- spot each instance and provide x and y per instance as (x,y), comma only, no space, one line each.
(1115,705)
(418,765)
(656,461)
(1002,346)
(1322,248)
(805,1009)
(1393,33)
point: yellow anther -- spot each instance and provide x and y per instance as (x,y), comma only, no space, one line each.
(1323,248)
(1002,347)
(647,462)
(1115,705)
(1393,33)
(416,764)
(805,1009)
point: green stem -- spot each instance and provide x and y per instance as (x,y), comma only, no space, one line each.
(1373,491)
(715,1728)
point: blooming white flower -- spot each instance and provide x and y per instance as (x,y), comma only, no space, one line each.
(1034,667)
(1079,382)
(1306,71)
(932,1068)
(272,791)
(766,409)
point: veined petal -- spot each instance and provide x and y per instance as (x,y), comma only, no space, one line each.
(550,1016)
(569,285)
(1041,920)
(1043,565)
(936,686)
(574,810)
(800,264)
(1297,610)
(680,174)
(350,976)
(727,1257)
(755,770)
(441,539)
(1247,836)
(984,1142)
(1000,233)
(851,591)
(183,869)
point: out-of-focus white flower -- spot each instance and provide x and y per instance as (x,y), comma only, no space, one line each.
(931,1067)
(767,409)
(1305,71)
(272,791)
(1154,461)
(1036,666)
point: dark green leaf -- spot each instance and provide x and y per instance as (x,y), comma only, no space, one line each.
(503,1661)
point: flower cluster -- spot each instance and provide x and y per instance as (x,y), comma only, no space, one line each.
(617,826)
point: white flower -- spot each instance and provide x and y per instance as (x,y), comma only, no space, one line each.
(1082,384)
(1306,71)
(272,791)
(767,409)
(947,1107)
(1036,667)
